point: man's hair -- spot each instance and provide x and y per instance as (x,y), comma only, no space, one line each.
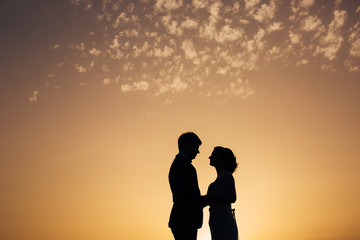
(188,139)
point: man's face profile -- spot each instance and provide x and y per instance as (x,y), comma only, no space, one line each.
(193,151)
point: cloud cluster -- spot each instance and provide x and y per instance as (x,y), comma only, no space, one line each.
(169,46)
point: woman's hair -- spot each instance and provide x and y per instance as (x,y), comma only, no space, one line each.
(227,157)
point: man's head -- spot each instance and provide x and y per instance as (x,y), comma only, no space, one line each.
(189,143)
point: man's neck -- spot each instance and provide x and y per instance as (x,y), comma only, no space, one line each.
(185,156)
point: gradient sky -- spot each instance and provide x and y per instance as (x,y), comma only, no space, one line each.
(94,94)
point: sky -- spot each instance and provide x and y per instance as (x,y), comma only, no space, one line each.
(94,94)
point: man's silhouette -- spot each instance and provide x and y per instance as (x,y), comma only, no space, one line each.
(186,215)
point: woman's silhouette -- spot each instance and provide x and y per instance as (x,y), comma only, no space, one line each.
(221,193)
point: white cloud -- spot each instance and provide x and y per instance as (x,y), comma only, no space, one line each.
(106,81)
(121,19)
(354,68)
(310,23)
(265,12)
(166,52)
(128,66)
(135,86)
(189,49)
(241,88)
(86,3)
(115,43)
(331,43)
(302,62)
(151,34)
(142,85)
(178,85)
(171,25)
(338,2)
(95,52)
(295,38)
(126,87)
(228,34)
(80,68)
(173,84)
(199,3)
(276,26)
(167,5)
(82,84)
(105,68)
(33,98)
(354,40)
(222,70)
(214,10)
(306,3)
(189,24)
(251,3)
(357,10)
(130,7)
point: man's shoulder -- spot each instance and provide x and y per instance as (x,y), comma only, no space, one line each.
(180,162)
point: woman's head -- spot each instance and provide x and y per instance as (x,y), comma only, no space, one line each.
(224,157)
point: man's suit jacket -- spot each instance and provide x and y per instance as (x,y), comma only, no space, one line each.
(187,210)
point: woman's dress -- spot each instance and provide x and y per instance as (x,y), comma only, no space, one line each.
(222,219)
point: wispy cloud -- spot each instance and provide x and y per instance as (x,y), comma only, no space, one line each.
(331,42)
(34,97)
(135,86)
(354,39)
(265,12)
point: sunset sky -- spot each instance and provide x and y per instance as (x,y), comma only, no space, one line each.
(95,93)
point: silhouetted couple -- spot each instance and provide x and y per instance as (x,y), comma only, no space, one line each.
(187,212)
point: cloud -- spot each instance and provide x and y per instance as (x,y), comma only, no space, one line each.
(121,19)
(86,3)
(222,70)
(199,3)
(214,10)
(265,12)
(295,38)
(354,39)
(166,52)
(241,88)
(95,52)
(302,62)
(306,3)
(82,84)
(33,98)
(310,23)
(80,68)
(189,24)
(331,42)
(189,50)
(251,3)
(115,43)
(167,5)
(56,46)
(173,84)
(172,26)
(228,34)
(106,81)
(135,86)
(276,26)
(178,85)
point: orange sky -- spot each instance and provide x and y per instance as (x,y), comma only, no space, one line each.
(94,94)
